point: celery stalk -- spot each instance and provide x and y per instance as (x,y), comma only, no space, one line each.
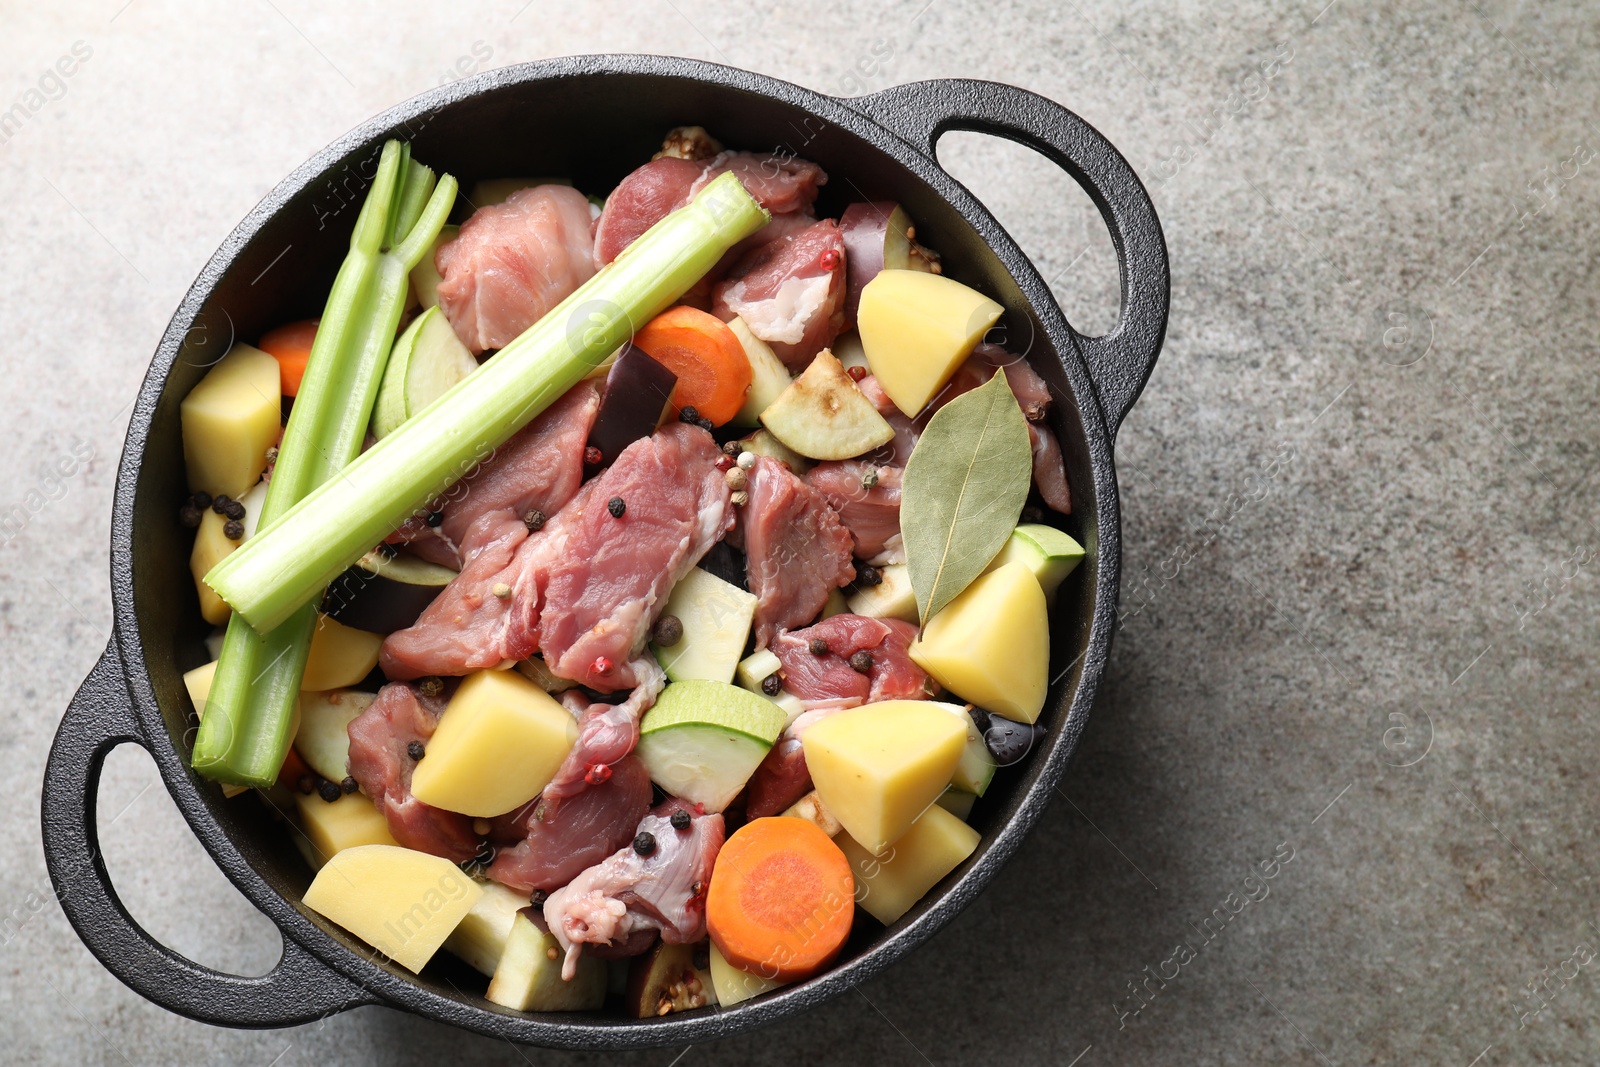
(245,733)
(282,568)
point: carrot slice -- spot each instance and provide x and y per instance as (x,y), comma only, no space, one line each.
(781,899)
(713,372)
(290,345)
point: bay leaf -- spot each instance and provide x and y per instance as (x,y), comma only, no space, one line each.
(963,491)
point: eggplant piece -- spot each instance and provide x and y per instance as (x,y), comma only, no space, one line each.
(878,235)
(383,594)
(667,979)
(636,396)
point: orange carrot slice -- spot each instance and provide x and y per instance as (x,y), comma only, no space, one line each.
(781,899)
(713,373)
(290,345)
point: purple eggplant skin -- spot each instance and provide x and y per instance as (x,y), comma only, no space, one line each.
(636,394)
(384,595)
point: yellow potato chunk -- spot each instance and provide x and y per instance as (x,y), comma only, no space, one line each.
(733,985)
(917,328)
(348,822)
(991,644)
(529,975)
(877,767)
(888,885)
(498,745)
(402,903)
(480,938)
(211,547)
(340,655)
(230,419)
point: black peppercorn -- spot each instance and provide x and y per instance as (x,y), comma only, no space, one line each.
(690,414)
(430,686)
(616,506)
(667,631)
(329,791)
(861,662)
(868,575)
(219,504)
(537,898)
(534,520)
(732,448)
(644,843)
(435,518)
(234,510)
(349,785)
(189,516)
(771,684)
(818,646)
(705,424)
(680,820)
(201,500)
(233,530)
(386,550)
(416,750)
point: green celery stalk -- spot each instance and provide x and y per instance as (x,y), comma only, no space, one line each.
(273,574)
(245,732)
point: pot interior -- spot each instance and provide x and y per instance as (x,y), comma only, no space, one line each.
(591,127)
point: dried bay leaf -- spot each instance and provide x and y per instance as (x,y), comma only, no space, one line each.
(963,491)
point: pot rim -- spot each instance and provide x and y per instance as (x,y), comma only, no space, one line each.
(577,1031)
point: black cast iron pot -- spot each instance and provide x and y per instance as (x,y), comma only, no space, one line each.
(593,118)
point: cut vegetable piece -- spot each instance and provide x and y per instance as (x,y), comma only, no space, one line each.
(782,899)
(290,563)
(991,644)
(917,328)
(340,655)
(382,594)
(734,986)
(824,416)
(756,668)
(975,769)
(891,598)
(875,238)
(479,940)
(879,766)
(348,822)
(211,546)
(762,443)
(230,419)
(638,390)
(402,903)
(665,980)
(702,740)
(848,350)
(539,673)
(1048,552)
(835,604)
(529,975)
(425,277)
(811,808)
(498,744)
(891,883)
(290,345)
(716,624)
(768,376)
(323,740)
(426,362)
(957,802)
(713,372)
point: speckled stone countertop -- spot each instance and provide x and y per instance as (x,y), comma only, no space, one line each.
(1359,496)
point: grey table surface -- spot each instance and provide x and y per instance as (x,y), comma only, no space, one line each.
(1359,493)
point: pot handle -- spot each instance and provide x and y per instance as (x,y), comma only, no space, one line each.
(299,989)
(1120,361)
